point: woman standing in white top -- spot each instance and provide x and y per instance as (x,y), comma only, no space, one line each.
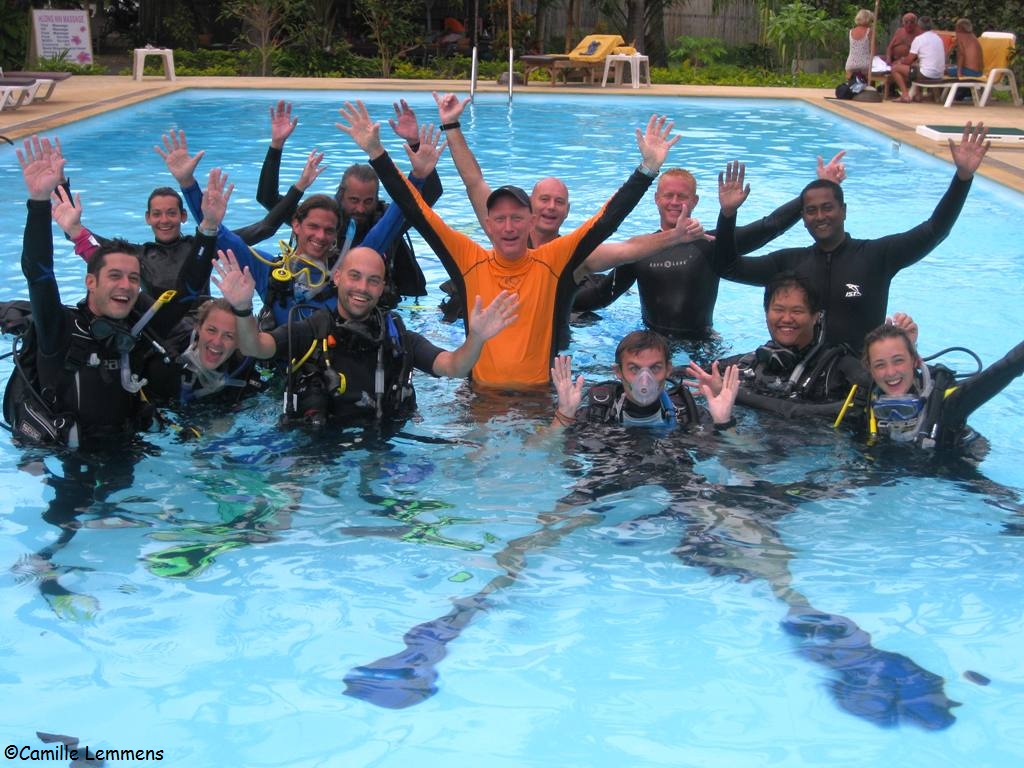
(859,59)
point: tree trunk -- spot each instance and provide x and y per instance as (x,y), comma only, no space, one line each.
(655,40)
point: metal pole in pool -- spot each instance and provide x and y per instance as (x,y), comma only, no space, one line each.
(473,66)
(511,53)
(472,76)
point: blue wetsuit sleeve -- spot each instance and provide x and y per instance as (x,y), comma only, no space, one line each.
(258,267)
(48,314)
(194,200)
(389,226)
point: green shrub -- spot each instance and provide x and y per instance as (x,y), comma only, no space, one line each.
(730,74)
(60,63)
(13,36)
(697,51)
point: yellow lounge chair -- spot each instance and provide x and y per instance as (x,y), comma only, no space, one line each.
(588,57)
(996,75)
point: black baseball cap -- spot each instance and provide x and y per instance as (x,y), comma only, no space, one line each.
(509,191)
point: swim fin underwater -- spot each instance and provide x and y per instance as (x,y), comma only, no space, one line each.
(728,531)
(885,688)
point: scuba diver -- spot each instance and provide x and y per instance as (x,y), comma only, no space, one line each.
(638,396)
(355,361)
(851,275)
(796,372)
(212,367)
(912,402)
(162,258)
(359,202)
(90,373)
(301,273)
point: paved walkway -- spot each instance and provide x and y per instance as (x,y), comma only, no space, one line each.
(80,97)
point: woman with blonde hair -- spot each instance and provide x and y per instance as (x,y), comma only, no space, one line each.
(859,59)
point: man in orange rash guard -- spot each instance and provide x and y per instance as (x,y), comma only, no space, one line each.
(522,354)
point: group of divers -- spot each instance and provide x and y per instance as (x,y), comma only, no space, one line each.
(147,334)
(147,338)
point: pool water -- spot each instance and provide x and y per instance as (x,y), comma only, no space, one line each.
(484,593)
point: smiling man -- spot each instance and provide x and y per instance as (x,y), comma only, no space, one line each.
(542,277)
(356,359)
(640,396)
(852,276)
(91,361)
(795,372)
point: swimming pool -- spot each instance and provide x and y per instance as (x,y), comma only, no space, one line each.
(232,585)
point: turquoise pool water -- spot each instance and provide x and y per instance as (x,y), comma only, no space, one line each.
(214,604)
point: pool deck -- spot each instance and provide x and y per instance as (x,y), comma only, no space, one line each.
(80,97)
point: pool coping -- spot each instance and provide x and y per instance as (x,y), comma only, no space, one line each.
(81,97)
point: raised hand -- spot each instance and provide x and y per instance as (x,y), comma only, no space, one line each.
(449,108)
(404,122)
(175,154)
(281,123)
(655,143)
(42,166)
(430,149)
(66,212)
(215,200)
(699,378)
(835,170)
(311,170)
(236,285)
(968,154)
(720,405)
(363,131)
(688,230)
(731,190)
(906,322)
(570,392)
(499,315)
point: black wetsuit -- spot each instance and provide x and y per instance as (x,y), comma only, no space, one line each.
(354,351)
(947,407)
(238,378)
(679,286)
(606,404)
(404,272)
(79,375)
(797,382)
(853,280)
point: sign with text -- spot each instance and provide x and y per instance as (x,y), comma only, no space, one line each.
(57,32)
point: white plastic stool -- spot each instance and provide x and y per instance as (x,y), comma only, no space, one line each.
(636,61)
(139,61)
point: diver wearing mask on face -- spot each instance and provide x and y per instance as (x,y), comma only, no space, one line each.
(639,396)
(928,406)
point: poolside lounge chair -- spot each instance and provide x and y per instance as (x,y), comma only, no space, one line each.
(11,97)
(30,89)
(588,57)
(996,75)
(48,81)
